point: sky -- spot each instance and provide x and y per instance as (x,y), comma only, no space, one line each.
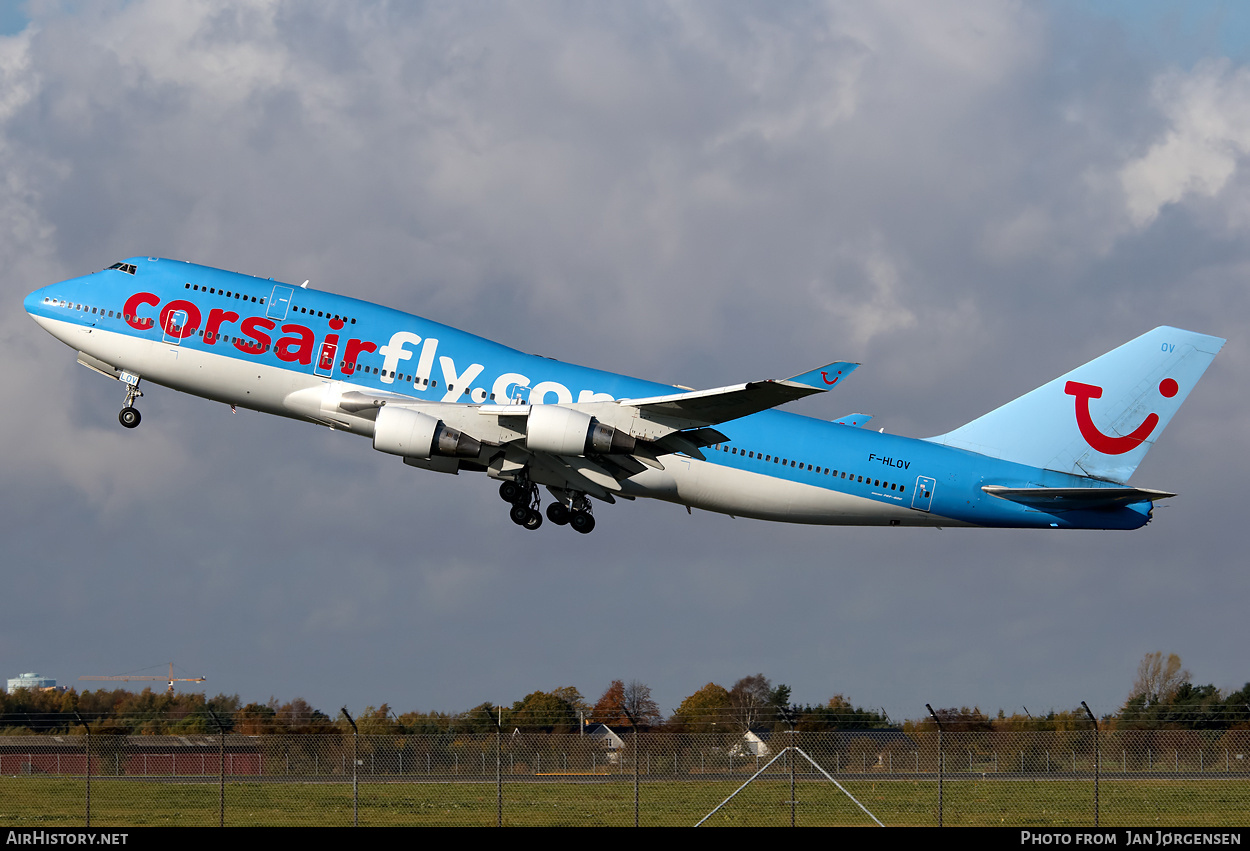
(969,198)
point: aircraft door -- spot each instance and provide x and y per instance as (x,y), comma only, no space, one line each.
(172,329)
(518,394)
(279,302)
(325,361)
(922,496)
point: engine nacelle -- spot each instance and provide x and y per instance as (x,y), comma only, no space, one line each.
(413,434)
(564,431)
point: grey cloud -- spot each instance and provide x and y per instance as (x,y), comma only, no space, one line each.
(694,193)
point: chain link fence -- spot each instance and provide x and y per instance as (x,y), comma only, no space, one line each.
(861,777)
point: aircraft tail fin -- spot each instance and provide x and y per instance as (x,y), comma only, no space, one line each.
(1100,419)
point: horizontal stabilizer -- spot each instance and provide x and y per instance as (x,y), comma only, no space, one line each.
(1076,499)
(723,404)
(853,420)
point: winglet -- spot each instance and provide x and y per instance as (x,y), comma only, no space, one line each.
(825,377)
(854,420)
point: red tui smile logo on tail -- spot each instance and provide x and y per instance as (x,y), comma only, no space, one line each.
(1103,443)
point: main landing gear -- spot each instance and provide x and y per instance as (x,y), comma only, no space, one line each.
(524,498)
(525,512)
(578,515)
(130,416)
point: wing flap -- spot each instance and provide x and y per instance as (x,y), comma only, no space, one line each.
(572,474)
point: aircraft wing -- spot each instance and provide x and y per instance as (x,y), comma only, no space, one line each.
(699,408)
(588,447)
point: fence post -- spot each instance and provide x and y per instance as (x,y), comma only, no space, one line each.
(788,716)
(790,756)
(88,746)
(1097,759)
(933,715)
(499,767)
(355,761)
(221,769)
(635,725)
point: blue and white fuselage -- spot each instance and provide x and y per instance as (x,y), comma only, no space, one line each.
(448,401)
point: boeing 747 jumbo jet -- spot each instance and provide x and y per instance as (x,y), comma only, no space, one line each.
(443,400)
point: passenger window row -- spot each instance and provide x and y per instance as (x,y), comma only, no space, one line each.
(86,308)
(825,471)
(324,314)
(226,293)
(353,368)
(147,323)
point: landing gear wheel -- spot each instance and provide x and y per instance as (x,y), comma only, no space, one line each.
(557,514)
(582,522)
(523,494)
(129,416)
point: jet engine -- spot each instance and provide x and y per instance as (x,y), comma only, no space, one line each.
(563,431)
(413,434)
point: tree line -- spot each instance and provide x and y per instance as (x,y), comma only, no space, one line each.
(1162,696)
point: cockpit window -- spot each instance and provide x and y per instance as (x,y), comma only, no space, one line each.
(128,268)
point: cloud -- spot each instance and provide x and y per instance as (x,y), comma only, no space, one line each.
(1208,137)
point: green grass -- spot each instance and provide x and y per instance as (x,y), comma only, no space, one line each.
(44,802)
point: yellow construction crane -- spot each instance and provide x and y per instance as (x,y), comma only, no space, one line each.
(171,678)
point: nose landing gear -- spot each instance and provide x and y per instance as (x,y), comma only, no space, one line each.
(130,416)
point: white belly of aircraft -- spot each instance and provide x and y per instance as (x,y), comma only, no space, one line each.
(234,381)
(740,493)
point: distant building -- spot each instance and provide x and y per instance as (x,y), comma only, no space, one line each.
(604,736)
(754,742)
(32,681)
(607,740)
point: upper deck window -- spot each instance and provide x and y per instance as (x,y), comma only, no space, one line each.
(128,268)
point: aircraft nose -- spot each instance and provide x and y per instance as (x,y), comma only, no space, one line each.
(35,301)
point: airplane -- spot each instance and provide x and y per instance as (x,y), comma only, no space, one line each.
(448,401)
